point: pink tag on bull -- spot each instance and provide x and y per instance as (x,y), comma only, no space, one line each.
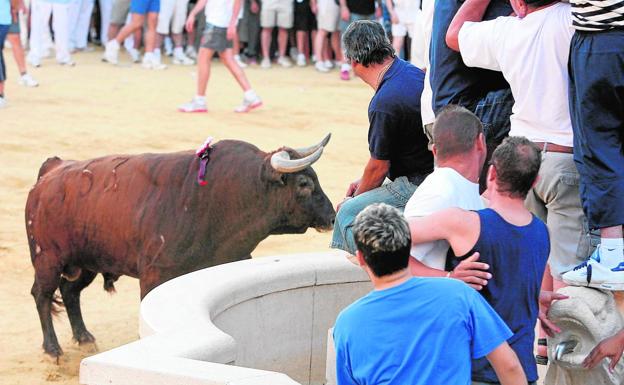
(204,147)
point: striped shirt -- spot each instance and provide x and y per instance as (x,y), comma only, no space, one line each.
(597,15)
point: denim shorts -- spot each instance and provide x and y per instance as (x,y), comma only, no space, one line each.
(14,28)
(395,193)
(215,38)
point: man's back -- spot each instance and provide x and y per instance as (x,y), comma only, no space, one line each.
(517,257)
(402,335)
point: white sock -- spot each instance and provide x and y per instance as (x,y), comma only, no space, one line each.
(200,98)
(157,53)
(345,67)
(611,251)
(177,51)
(148,56)
(113,44)
(250,95)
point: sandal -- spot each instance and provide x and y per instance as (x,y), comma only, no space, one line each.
(541,360)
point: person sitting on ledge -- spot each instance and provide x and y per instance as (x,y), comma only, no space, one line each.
(409,330)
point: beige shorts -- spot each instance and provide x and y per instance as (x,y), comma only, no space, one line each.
(120,11)
(172,14)
(277,13)
(328,15)
(402,30)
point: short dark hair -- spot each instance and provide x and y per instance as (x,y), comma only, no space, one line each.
(383,236)
(517,161)
(455,131)
(366,42)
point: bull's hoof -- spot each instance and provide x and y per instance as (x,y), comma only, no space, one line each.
(53,351)
(84,338)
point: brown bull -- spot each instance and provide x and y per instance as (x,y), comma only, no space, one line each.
(146,216)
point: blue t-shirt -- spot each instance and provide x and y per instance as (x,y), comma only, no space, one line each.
(451,81)
(422,332)
(5,12)
(395,132)
(517,257)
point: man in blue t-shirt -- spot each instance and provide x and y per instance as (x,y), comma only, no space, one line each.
(416,331)
(397,143)
(512,241)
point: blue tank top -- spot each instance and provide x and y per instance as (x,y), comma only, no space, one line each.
(517,257)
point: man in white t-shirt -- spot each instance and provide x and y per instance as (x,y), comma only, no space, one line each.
(459,149)
(531,50)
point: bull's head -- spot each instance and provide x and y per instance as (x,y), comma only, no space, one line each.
(585,319)
(301,199)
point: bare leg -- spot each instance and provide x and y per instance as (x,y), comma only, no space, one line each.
(611,232)
(150,35)
(266,42)
(177,40)
(204,58)
(136,22)
(113,30)
(319,44)
(282,41)
(397,43)
(336,45)
(227,57)
(302,37)
(18,52)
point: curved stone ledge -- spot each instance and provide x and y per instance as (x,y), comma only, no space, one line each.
(214,325)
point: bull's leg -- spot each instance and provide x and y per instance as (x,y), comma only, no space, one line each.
(71,298)
(47,277)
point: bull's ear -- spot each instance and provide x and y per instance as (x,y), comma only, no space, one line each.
(271,175)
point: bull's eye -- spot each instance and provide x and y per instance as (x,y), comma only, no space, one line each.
(284,178)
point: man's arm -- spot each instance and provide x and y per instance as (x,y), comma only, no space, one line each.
(15,6)
(452,224)
(190,20)
(506,365)
(471,272)
(394,18)
(231,31)
(471,10)
(374,174)
(345,14)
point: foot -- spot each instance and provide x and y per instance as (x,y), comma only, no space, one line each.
(249,103)
(328,64)
(152,62)
(320,67)
(266,63)
(344,75)
(68,63)
(27,81)
(33,61)
(240,61)
(111,52)
(284,62)
(179,58)
(3,102)
(301,60)
(135,55)
(195,105)
(190,52)
(293,52)
(595,273)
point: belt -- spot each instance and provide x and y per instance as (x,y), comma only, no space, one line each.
(552,147)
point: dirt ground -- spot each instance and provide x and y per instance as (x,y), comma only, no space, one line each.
(95,109)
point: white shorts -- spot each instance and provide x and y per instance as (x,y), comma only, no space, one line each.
(328,15)
(172,14)
(402,30)
(277,13)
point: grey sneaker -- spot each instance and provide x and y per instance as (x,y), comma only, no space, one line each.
(194,105)
(249,104)
(27,81)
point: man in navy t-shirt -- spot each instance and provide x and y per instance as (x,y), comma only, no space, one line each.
(416,331)
(397,143)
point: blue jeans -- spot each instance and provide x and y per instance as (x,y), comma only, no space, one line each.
(395,193)
(4,30)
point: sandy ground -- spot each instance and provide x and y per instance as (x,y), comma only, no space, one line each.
(96,109)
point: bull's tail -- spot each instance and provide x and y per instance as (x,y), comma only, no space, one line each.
(49,164)
(109,282)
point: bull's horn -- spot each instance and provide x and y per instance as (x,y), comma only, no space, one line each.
(305,151)
(281,161)
(564,347)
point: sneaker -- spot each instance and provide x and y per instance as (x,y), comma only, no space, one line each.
(301,60)
(284,62)
(265,63)
(111,52)
(151,62)
(293,52)
(328,64)
(3,102)
(195,105)
(240,61)
(249,103)
(135,55)
(179,58)
(594,273)
(27,81)
(32,60)
(68,63)
(344,75)
(190,52)
(320,67)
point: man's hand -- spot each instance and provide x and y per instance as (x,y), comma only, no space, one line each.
(612,347)
(231,32)
(255,7)
(472,272)
(345,15)
(352,187)
(190,22)
(546,298)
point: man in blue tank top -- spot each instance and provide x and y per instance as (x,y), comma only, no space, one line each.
(512,241)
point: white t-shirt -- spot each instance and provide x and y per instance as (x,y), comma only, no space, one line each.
(219,12)
(426,99)
(442,189)
(532,53)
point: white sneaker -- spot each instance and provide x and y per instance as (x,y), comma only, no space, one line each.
(111,52)
(135,55)
(595,273)
(33,60)
(240,61)
(3,102)
(249,103)
(301,60)
(190,52)
(27,81)
(151,62)
(195,105)
(179,58)
(320,67)
(293,52)
(265,63)
(284,62)
(328,64)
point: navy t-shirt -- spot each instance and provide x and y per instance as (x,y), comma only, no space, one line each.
(361,7)
(517,257)
(422,332)
(451,81)
(395,132)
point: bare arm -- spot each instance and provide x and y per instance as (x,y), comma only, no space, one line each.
(507,366)
(15,6)
(471,272)
(393,15)
(444,224)
(344,10)
(190,20)
(610,348)
(231,31)
(374,174)
(471,10)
